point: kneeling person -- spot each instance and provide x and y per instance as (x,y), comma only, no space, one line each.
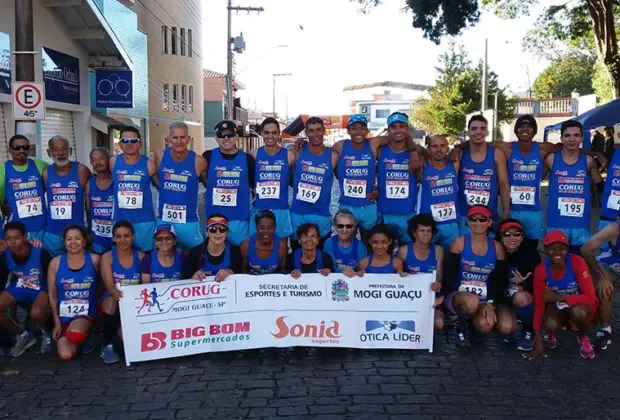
(166,262)
(381,260)
(308,259)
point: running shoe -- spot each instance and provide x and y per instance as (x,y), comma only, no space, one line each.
(108,354)
(46,343)
(550,340)
(22,344)
(526,342)
(86,347)
(461,339)
(602,340)
(587,351)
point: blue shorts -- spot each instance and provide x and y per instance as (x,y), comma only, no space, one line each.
(602,224)
(237,231)
(55,244)
(23,295)
(576,237)
(323,222)
(610,262)
(37,234)
(399,221)
(284,226)
(144,232)
(447,233)
(464,229)
(366,215)
(533,222)
(100,249)
(188,234)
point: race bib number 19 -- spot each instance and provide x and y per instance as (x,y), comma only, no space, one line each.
(60,210)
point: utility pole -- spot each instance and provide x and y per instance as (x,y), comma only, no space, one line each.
(496,118)
(24,59)
(230,41)
(485,77)
(274,90)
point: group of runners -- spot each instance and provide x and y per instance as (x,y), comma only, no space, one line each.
(74,236)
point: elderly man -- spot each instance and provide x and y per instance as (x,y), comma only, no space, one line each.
(100,203)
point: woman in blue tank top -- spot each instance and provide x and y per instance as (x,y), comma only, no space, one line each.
(264,252)
(308,259)
(344,247)
(74,308)
(381,259)
(165,263)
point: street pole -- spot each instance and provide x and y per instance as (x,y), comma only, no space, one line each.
(24,59)
(274,90)
(496,118)
(485,76)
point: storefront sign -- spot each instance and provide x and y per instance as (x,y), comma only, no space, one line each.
(61,74)
(114,89)
(5,63)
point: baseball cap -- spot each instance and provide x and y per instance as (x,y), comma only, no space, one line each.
(357,118)
(225,126)
(217,220)
(397,117)
(526,119)
(165,228)
(555,236)
(479,210)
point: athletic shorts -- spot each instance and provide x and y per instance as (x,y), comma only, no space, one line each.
(100,249)
(37,234)
(144,232)
(576,237)
(65,325)
(447,303)
(55,244)
(399,222)
(188,234)
(23,295)
(323,222)
(610,262)
(366,215)
(237,231)
(602,224)
(533,222)
(284,226)
(447,233)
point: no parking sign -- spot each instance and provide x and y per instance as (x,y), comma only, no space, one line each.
(28,101)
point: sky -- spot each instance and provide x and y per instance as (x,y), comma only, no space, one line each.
(339,46)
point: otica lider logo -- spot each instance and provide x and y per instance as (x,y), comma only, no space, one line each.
(376,330)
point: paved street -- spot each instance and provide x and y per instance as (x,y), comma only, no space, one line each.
(489,382)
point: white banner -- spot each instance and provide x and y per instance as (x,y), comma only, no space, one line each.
(188,317)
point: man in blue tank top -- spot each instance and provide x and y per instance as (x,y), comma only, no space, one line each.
(230,177)
(273,168)
(100,201)
(21,187)
(570,196)
(132,176)
(611,193)
(179,171)
(65,182)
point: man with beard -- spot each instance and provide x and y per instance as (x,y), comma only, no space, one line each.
(100,202)
(65,183)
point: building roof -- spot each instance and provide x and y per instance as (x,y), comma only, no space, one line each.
(210,74)
(410,86)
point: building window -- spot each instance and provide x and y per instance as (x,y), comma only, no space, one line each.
(166,103)
(173,41)
(190,103)
(175,98)
(382,113)
(164,39)
(183,97)
(182,41)
(189,43)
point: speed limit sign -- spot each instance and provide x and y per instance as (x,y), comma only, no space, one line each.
(28,101)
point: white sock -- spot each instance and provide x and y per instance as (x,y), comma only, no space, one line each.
(25,334)
(608,329)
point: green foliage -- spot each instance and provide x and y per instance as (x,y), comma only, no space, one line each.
(573,72)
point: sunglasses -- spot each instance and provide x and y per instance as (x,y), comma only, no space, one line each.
(165,239)
(25,147)
(131,140)
(218,229)
(342,226)
(515,234)
(227,135)
(481,219)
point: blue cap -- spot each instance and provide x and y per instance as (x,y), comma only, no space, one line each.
(357,118)
(397,117)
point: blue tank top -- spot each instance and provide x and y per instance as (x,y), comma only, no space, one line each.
(569,194)
(126,276)
(160,274)
(524,176)
(343,260)
(615,250)
(65,199)
(475,270)
(212,269)
(319,260)
(478,182)
(356,174)
(132,190)
(101,207)
(565,286)
(384,269)
(77,289)
(414,266)
(271,174)
(313,178)
(178,189)
(397,187)
(30,274)
(228,190)
(611,191)
(269,265)
(24,195)
(440,193)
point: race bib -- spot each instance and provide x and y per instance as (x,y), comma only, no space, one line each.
(174,214)
(29,207)
(354,188)
(268,190)
(308,192)
(613,202)
(477,288)
(398,190)
(444,211)
(571,207)
(130,200)
(60,210)
(73,308)
(103,228)
(224,197)
(477,198)
(525,196)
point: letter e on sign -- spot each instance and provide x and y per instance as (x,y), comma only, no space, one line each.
(28,101)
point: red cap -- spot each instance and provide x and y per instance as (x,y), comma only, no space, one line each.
(217,220)
(479,210)
(504,227)
(555,236)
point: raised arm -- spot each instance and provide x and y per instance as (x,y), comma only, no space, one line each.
(502,178)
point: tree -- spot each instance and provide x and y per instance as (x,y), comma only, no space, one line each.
(440,18)
(571,73)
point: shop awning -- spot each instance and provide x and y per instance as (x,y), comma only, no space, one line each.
(102,122)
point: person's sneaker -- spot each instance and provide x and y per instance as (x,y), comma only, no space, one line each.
(526,342)
(46,343)
(461,339)
(550,341)
(602,340)
(587,351)
(109,355)
(22,344)
(86,347)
